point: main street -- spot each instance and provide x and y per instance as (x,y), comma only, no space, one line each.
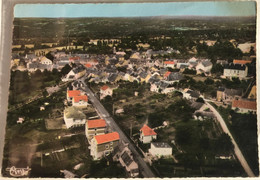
(237,151)
(144,168)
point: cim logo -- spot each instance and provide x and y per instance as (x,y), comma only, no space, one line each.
(18,172)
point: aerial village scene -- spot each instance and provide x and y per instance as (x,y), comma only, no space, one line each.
(137,93)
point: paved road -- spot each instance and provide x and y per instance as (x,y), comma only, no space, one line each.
(145,169)
(238,152)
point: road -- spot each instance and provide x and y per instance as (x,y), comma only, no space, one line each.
(237,151)
(145,169)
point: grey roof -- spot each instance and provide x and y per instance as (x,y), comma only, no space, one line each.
(126,158)
(78,69)
(143,74)
(112,77)
(161,145)
(206,63)
(196,105)
(175,76)
(193,93)
(233,92)
(33,65)
(235,66)
(162,84)
(153,79)
(183,66)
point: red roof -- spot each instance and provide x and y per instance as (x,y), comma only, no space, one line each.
(97,123)
(80,98)
(168,62)
(105,87)
(167,74)
(147,131)
(244,104)
(88,65)
(236,61)
(73,93)
(74,58)
(104,138)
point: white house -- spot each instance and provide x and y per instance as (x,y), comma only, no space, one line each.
(45,60)
(244,105)
(73,117)
(95,127)
(147,134)
(72,93)
(80,101)
(160,149)
(190,94)
(124,155)
(103,145)
(105,91)
(204,67)
(169,64)
(235,70)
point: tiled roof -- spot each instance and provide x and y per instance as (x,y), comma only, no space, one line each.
(97,123)
(168,62)
(236,61)
(147,131)
(88,65)
(105,87)
(80,98)
(104,138)
(73,93)
(244,104)
(167,74)
(74,58)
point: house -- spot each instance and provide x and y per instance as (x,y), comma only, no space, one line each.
(144,77)
(72,93)
(135,56)
(244,105)
(73,117)
(45,60)
(252,94)
(237,61)
(160,149)
(105,91)
(174,77)
(75,73)
(147,134)
(169,64)
(102,145)
(190,94)
(235,70)
(95,127)
(204,67)
(227,95)
(123,154)
(80,101)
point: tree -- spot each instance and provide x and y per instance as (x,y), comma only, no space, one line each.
(66,69)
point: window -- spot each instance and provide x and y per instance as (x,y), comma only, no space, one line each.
(111,148)
(107,146)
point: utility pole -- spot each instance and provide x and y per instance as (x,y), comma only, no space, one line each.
(131,131)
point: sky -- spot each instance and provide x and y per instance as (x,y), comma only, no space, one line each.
(233,8)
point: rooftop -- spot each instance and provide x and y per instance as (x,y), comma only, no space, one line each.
(74,112)
(97,123)
(72,93)
(80,98)
(244,104)
(147,131)
(161,145)
(104,138)
(105,87)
